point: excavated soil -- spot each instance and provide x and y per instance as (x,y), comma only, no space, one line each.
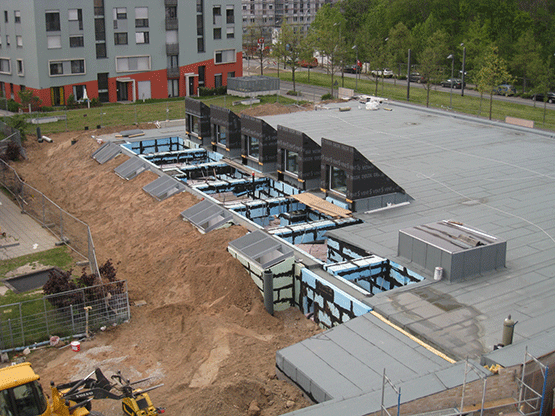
(203,331)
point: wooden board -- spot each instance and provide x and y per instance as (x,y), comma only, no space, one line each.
(321,205)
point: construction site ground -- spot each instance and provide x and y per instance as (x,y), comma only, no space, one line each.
(203,330)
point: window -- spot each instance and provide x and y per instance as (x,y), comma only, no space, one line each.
(5,66)
(173,88)
(224,56)
(78,66)
(141,16)
(217,80)
(229,15)
(101,50)
(230,32)
(20,70)
(120,13)
(76,41)
(217,33)
(120,38)
(6,16)
(7,40)
(19,41)
(99,29)
(231,74)
(133,63)
(220,134)
(52,21)
(56,68)
(217,15)
(141,37)
(102,79)
(173,61)
(253,147)
(78,92)
(201,75)
(17,16)
(338,180)
(54,42)
(291,162)
(76,15)
(171,12)
(192,124)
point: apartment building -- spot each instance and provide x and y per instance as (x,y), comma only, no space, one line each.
(117,50)
(270,14)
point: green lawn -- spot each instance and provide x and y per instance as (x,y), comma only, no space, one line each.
(439,98)
(126,115)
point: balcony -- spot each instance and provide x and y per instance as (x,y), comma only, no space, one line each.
(171,23)
(170,2)
(173,73)
(172,48)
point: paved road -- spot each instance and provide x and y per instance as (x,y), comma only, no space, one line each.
(310,91)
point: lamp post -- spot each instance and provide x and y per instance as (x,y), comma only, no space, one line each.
(356,70)
(452,57)
(463,69)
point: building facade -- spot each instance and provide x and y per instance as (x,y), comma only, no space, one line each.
(117,50)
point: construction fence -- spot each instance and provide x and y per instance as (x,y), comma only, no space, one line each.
(70,230)
(67,314)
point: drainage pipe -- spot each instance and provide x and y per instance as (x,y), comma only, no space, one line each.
(269,291)
(41,344)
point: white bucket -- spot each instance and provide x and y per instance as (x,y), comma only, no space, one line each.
(438,273)
(75,346)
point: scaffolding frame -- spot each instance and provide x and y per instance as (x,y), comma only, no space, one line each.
(386,381)
(524,388)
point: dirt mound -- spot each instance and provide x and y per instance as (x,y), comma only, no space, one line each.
(203,331)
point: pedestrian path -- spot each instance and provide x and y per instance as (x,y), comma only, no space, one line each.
(19,233)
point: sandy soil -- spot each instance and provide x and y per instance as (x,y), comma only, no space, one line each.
(203,332)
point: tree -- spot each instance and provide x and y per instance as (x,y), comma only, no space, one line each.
(543,78)
(432,61)
(527,53)
(326,34)
(292,46)
(492,73)
(251,47)
(398,45)
(28,99)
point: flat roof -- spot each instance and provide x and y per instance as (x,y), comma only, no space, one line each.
(497,177)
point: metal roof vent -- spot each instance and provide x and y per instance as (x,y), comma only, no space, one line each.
(262,249)
(207,216)
(461,251)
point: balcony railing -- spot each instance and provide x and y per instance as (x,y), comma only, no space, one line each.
(171,23)
(173,73)
(172,48)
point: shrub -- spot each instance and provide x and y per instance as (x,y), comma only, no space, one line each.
(202,91)
(12,151)
(71,103)
(95,102)
(294,93)
(13,106)
(60,281)
(327,96)
(46,109)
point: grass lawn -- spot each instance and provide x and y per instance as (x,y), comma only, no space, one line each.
(439,98)
(129,114)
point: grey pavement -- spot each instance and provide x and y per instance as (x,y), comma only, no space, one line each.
(19,233)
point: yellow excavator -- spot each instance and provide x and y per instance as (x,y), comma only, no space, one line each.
(21,394)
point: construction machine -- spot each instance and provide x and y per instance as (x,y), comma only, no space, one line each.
(21,394)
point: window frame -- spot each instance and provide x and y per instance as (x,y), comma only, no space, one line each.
(80,44)
(9,61)
(118,41)
(53,26)
(19,63)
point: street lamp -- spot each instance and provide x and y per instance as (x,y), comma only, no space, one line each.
(463,69)
(452,57)
(356,70)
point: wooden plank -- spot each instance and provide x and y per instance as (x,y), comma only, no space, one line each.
(490,405)
(322,206)
(519,122)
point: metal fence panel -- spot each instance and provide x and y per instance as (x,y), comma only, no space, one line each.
(63,315)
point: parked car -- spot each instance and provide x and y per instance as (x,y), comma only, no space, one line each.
(352,69)
(416,77)
(540,97)
(505,89)
(312,63)
(457,83)
(387,73)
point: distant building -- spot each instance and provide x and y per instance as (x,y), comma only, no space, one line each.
(117,50)
(268,15)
